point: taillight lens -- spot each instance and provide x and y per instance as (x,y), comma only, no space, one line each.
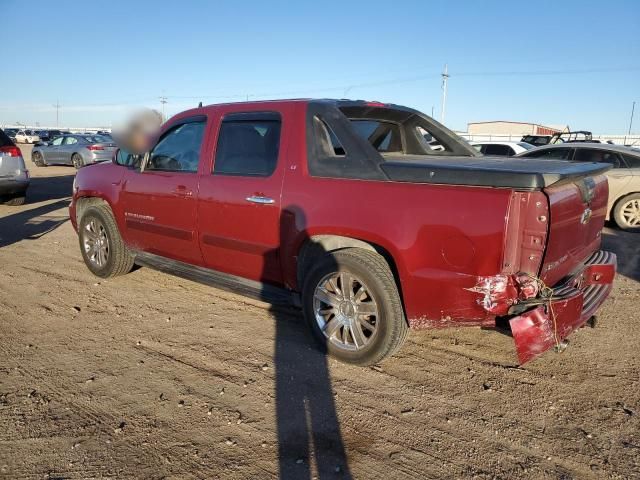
(11,151)
(93,148)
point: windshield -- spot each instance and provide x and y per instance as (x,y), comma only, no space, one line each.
(526,146)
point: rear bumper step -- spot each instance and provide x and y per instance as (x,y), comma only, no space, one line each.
(572,304)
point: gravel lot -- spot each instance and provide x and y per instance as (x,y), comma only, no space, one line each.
(153,376)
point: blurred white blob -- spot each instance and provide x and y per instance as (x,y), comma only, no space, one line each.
(137,133)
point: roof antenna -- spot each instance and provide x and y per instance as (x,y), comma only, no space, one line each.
(200,105)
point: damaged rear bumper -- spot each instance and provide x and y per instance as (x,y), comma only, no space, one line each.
(570,306)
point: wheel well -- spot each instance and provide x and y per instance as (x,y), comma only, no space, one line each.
(85,202)
(318,245)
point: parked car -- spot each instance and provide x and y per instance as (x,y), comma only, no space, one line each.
(624,178)
(76,150)
(11,133)
(14,176)
(48,135)
(27,136)
(343,208)
(536,140)
(502,148)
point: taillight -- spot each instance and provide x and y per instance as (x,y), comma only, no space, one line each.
(11,151)
(93,148)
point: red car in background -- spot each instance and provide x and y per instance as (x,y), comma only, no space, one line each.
(343,208)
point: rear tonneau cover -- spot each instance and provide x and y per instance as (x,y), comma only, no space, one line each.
(506,172)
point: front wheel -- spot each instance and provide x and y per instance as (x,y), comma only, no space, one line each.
(77,161)
(16,201)
(351,302)
(627,213)
(102,247)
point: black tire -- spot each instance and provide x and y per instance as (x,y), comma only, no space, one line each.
(119,260)
(38,159)
(623,220)
(372,270)
(16,201)
(77,161)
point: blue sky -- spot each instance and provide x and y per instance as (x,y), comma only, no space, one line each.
(570,62)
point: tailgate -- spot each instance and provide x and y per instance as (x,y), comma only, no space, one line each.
(577,210)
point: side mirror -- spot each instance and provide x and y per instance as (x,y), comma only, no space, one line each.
(123,158)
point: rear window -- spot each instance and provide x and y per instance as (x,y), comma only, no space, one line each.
(501,150)
(383,136)
(5,140)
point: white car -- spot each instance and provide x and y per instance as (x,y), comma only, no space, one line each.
(502,148)
(27,136)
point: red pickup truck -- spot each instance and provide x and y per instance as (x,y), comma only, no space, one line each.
(372,217)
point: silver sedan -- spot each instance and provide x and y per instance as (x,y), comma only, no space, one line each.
(76,150)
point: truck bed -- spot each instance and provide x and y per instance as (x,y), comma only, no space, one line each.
(503,172)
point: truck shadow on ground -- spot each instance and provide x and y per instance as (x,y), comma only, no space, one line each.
(31,224)
(309,438)
(50,188)
(626,245)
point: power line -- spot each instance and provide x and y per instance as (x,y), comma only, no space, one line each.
(57,106)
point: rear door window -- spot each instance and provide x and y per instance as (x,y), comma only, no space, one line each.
(70,141)
(550,154)
(248,145)
(595,155)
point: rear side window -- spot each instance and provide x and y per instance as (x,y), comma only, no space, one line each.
(632,161)
(178,149)
(594,155)
(248,145)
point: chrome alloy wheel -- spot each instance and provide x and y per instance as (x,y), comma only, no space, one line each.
(96,242)
(630,213)
(345,311)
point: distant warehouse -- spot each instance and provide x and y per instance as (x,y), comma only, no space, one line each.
(503,127)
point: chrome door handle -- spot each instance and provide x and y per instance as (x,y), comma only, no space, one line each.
(260,200)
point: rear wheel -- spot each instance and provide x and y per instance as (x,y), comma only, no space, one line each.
(16,201)
(102,247)
(38,159)
(627,212)
(77,161)
(353,307)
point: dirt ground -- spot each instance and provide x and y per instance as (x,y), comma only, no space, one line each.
(153,376)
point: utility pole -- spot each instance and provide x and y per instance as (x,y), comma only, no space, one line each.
(633,108)
(57,107)
(445,78)
(163,101)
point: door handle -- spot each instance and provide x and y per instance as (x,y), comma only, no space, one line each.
(181,191)
(260,200)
